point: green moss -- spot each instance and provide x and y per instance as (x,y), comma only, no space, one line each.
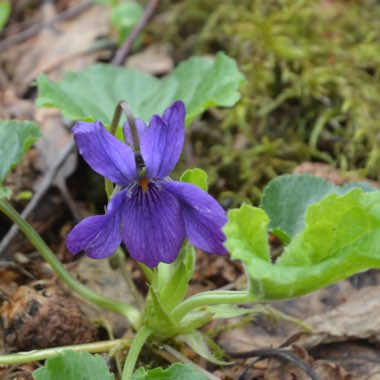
(313,89)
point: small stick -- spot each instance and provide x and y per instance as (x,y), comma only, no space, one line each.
(123,51)
(41,190)
(280,354)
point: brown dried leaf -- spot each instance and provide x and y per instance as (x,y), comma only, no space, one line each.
(329,173)
(357,318)
(68,46)
(155,60)
(102,279)
(55,140)
(250,338)
(360,359)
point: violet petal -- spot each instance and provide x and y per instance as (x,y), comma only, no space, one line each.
(105,153)
(202,214)
(99,235)
(161,143)
(152,226)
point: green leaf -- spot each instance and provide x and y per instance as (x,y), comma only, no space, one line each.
(174,372)
(247,229)
(5,12)
(172,280)
(226,311)
(201,345)
(16,137)
(157,317)
(71,365)
(174,291)
(286,199)
(197,177)
(24,196)
(200,82)
(5,192)
(341,237)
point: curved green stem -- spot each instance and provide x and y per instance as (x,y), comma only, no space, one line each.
(133,353)
(132,125)
(113,127)
(121,308)
(37,355)
(214,297)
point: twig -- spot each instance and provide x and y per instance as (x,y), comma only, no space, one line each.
(42,188)
(123,51)
(11,264)
(242,375)
(280,354)
(34,29)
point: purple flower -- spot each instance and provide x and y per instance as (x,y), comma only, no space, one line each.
(151,214)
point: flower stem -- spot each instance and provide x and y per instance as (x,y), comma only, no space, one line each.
(140,164)
(211,298)
(37,355)
(132,125)
(133,353)
(121,308)
(123,106)
(116,118)
(113,127)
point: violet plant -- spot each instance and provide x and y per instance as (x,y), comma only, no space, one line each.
(160,220)
(148,211)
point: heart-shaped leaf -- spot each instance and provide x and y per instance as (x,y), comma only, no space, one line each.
(71,365)
(341,237)
(286,199)
(195,176)
(93,93)
(16,137)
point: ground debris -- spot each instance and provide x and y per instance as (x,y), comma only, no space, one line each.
(42,315)
(344,344)
(323,369)
(357,318)
(331,174)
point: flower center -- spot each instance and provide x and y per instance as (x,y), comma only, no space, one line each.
(143,182)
